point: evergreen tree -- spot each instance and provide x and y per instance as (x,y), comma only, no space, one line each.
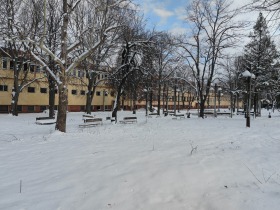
(260,53)
(260,58)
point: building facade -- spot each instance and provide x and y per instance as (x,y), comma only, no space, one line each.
(34,96)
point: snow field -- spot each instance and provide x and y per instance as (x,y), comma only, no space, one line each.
(146,166)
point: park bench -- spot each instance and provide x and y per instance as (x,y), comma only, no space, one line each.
(91,122)
(223,113)
(45,120)
(85,117)
(244,113)
(180,116)
(153,114)
(88,116)
(129,120)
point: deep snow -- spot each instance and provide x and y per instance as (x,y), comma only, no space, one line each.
(146,166)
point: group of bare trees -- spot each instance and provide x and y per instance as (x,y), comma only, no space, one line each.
(90,34)
(59,35)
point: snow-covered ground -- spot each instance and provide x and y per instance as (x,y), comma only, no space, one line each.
(143,166)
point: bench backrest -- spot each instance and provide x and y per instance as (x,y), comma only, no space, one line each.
(45,118)
(93,120)
(130,118)
(88,116)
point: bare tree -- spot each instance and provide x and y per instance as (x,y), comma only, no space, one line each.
(129,60)
(212,31)
(14,24)
(66,59)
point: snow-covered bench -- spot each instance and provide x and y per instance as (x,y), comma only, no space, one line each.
(129,120)
(88,116)
(91,122)
(45,120)
(180,116)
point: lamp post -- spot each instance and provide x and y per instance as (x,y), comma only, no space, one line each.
(178,90)
(105,93)
(249,76)
(175,88)
(146,95)
(219,98)
(215,97)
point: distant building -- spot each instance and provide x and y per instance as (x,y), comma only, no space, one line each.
(34,97)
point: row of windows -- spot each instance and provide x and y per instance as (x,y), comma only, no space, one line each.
(44,90)
(36,68)
(80,73)
(83,92)
(29,89)
(32,67)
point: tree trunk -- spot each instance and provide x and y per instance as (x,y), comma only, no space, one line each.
(159,99)
(88,102)
(16,90)
(51,96)
(116,105)
(63,94)
(62,108)
(202,106)
(14,104)
(201,111)
(151,102)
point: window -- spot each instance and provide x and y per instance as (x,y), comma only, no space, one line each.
(3,87)
(4,63)
(11,64)
(98,108)
(105,93)
(98,93)
(43,90)
(74,92)
(81,73)
(4,108)
(38,68)
(25,67)
(31,90)
(83,92)
(30,108)
(32,68)
(43,108)
(19,108)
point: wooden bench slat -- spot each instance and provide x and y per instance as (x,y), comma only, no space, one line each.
(91,122)
(129,120)
(45,118)
(88,116)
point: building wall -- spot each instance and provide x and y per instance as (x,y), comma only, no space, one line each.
(103,99)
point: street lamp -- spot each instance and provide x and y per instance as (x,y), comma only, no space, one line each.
(219,98)
(105,93)
(215,97)
(249,77)
(178,90)
(146,94)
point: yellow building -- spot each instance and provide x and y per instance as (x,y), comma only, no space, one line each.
(35,98)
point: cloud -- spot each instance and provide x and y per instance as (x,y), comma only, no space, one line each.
(181,13)
(178,30)
(163,13)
